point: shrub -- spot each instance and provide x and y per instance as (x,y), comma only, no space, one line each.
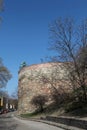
(39,101)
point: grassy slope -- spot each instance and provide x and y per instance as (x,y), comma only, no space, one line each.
(54,110)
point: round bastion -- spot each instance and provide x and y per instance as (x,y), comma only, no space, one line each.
(30,84)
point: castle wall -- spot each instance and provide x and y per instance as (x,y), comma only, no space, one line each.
(29,83)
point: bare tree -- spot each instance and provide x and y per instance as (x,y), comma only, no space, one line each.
(1,4)
(70,44)
(56,80)
(14,95)
(1,8)
(39,101)
(4,72)
(4,75)
(4,94)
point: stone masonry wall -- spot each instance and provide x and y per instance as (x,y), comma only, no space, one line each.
(29,83)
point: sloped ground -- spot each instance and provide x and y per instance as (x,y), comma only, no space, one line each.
(55,115)
(55,110)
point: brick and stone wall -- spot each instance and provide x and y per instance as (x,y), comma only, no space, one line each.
(29,83)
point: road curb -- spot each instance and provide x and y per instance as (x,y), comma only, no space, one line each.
(63,126)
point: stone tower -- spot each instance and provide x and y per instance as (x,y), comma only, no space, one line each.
(29,84)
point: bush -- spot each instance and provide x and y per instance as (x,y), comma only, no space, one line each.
(73,106)
(39,101)
(59,97)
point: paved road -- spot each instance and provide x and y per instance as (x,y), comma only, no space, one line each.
(9,122)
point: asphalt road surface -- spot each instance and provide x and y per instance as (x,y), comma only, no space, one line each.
(9,122)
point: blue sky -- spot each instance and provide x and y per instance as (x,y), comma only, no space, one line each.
(24,34)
